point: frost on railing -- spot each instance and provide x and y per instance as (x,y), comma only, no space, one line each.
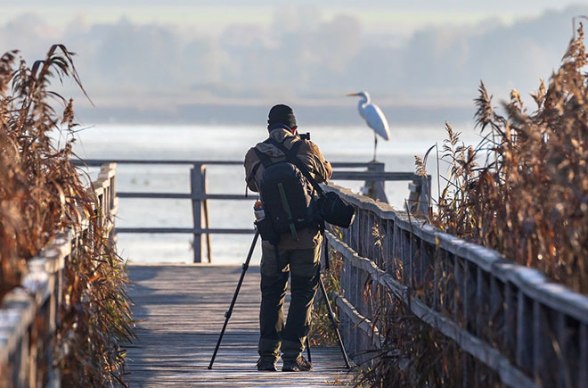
(510,318)
(29,315)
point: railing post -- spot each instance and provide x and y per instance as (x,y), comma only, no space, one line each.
(425,196)
(197,184)
(419,199)
(206,219)
(200,212)
(374,188)
(112,189)
(112,206)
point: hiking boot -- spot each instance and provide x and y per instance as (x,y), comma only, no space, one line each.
(266,365)
(297,365)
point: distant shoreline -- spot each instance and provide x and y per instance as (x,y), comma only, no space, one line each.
(255,114)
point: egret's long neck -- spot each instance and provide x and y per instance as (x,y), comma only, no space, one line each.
(362,103)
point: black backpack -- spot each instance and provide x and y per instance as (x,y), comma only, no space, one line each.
(284,192)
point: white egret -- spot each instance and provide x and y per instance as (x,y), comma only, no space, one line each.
(373,116)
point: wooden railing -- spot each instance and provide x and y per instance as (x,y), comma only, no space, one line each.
(373,173)
(527,329)
(29,315)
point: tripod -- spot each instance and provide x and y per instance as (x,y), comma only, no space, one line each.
(230,310)
(236,294)
(329,309)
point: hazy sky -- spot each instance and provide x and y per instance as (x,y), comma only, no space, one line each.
(213,15)
(170,56)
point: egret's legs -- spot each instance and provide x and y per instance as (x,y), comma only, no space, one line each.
(375,146)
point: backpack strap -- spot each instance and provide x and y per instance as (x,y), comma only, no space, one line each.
(253,172)
(266,160)
(251,175)
(293,158)
(263,159)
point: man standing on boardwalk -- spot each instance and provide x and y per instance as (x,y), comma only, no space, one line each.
(297,253)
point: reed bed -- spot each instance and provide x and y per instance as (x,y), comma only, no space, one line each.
(523,191)
(410,352)
(41,193)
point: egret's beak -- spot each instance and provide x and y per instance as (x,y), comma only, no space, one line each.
(352,94)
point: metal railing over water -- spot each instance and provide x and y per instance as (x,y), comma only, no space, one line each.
(373,173)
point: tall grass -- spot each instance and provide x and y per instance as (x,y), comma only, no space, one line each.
(41,193)
(523,190)
(411,353)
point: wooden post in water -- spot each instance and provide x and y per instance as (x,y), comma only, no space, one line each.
(419,198)
(375,188)
(199,206)
(425,196)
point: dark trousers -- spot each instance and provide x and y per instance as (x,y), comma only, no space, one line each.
(302,267)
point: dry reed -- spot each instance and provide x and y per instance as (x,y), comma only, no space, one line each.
(41,193)
(523,190)
(528,198)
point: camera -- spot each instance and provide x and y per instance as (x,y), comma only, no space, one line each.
(305,136)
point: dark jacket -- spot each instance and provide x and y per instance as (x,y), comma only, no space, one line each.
(313,159)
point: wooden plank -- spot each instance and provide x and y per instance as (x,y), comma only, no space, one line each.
(179,311)
(373,176)
(360,321)
(524,332)
(17,312)
(509,374)
(352,259)
(163,162)
(167,162)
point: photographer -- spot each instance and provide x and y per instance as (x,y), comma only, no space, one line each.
(296,251)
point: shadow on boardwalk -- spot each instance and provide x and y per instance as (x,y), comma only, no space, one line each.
(179,311)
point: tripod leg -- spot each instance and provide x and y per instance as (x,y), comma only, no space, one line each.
(308,350)
(334,323)
(230,310)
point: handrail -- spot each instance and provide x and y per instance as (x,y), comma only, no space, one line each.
(513,319)
(29,315)
(199,196)
(100,162)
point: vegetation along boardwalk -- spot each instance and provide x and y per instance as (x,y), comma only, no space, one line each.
(179,311)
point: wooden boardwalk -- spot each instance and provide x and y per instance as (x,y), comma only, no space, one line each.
(179,311)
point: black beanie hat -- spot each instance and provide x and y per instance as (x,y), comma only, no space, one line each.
(281,114)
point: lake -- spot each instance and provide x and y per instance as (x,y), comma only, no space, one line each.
(214,142)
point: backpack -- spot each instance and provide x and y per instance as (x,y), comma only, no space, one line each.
(287,202)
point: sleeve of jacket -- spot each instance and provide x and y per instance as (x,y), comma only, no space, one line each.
(251,160)
(316,162)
